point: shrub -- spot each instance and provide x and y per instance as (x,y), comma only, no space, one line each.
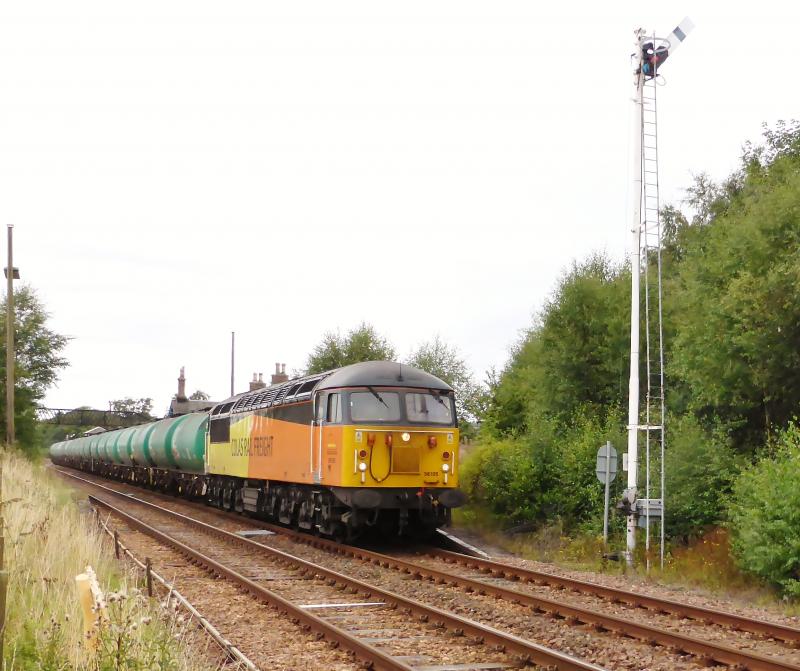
(765,515)
(543,475)
(701,468)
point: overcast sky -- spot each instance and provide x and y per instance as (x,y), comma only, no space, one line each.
(177,170)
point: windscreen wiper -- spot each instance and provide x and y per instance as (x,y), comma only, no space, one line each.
(377,395)
(438,397)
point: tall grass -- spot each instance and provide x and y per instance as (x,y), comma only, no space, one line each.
(48,541)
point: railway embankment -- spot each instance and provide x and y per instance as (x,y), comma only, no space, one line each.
(49,539)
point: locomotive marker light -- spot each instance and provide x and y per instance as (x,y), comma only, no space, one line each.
(649,55)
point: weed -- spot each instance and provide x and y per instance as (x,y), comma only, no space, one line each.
(47,543)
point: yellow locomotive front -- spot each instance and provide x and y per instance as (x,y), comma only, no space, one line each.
(385,442)
(370,445)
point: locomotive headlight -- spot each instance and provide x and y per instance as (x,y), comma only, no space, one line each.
(406,436)
(445,468)
(362,467)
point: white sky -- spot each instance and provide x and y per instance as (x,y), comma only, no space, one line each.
(176,170)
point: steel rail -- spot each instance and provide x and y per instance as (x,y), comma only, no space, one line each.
(771,629)
(526,651)
(231,651)
(375,658)
(710,652)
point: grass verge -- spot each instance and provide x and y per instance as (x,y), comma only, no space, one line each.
(48,541)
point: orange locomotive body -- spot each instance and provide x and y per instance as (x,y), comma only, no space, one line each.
(372,445)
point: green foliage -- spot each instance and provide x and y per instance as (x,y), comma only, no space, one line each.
(545,474)
(736,304)
(37,361)
(362,343)
(141,406)
(199,395)
(701,467)
(440,359)
(765,515)
(732,324)
(575,355)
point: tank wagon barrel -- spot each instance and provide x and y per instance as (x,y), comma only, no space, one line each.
(371,445)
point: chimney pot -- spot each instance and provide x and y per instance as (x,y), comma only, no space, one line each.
(181,395)
(277,369)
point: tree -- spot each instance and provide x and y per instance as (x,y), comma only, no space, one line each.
(199,395)
(362,343)
(141,406)
(736,307)
(765,515)
(574,357)
(443,361)
(37,361)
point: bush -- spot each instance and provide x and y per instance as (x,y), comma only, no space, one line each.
(543,475)
(515,476)
(765,515)
(701,468)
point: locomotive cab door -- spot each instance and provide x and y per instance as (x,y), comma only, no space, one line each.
(317,426)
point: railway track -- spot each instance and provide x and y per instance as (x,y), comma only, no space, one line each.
(360,617)
(705,651)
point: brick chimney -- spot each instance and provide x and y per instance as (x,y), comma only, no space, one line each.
(257,382)
(280,374)
(181,395)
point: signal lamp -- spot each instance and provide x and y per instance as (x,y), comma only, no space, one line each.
(406,436)
(445,455)
(363,454)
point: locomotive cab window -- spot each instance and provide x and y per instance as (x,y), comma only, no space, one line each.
(375,406)
(334,409)
(429,408)
(321,407)
(220,429)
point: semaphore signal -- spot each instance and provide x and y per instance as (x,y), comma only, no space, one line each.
(649,56)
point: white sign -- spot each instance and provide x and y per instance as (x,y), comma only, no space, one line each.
(606,459)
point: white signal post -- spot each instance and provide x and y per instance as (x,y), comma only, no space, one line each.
(636,230)
(672,42)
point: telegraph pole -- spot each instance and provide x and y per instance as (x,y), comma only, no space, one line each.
(233,341)
(11,274)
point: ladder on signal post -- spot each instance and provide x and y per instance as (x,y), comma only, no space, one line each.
(653,425)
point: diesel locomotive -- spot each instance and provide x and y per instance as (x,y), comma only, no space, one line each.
(373,445)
